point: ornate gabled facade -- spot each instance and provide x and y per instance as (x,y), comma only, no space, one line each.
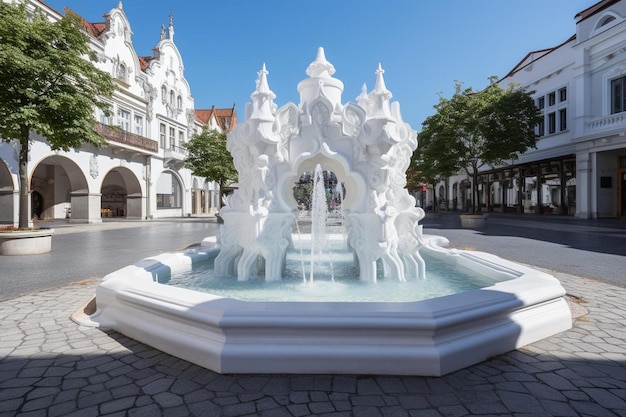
(139,172)
(579,165)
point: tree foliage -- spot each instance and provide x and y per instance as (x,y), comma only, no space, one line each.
(49,85)
(208,158)
(475,128)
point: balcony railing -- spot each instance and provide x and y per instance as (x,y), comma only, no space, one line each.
(115,134)
(174,155)
(612,121)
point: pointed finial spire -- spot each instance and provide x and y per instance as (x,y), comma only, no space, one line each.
(262,98)
(262,86)
(162,32)
(380,87)
(320,68)
(119,5)
(171,27)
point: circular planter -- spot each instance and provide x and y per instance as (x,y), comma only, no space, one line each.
(26,242)
(473,221)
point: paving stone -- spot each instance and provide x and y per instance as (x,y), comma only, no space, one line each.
(321,407)
(299,410)
(363,411)
(117,405)
(167,399)
(238,409)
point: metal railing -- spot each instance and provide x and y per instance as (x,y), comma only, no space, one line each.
(115,134)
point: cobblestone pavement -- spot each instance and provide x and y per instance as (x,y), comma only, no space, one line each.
(50,366)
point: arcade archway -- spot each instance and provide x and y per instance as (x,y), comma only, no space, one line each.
(121,195)
(59,190)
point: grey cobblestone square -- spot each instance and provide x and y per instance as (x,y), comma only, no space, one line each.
(50,366)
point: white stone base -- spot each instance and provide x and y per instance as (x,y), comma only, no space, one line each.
(430,337)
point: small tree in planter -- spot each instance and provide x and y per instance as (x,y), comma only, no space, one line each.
(48,86)
(208,157)
(475,128)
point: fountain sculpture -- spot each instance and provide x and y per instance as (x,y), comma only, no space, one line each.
(368,147)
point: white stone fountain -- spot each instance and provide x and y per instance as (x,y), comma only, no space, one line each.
(368,147)
(366,144)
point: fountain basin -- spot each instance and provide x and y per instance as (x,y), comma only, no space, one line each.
(429,337)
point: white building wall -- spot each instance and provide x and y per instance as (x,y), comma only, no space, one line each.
(72,182)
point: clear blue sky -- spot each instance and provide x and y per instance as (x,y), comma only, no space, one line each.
(424,46)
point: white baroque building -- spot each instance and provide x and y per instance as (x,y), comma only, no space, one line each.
(139,173)
(579,165)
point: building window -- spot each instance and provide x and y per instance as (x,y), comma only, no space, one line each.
(123,119)
(172,97)
(541,103)
(551,122)
(168,192)
(163,93)
(103,118)
(552,99)
(562,119)
(181,138)
(179,102)
(562,94)
(541,128)
(162,134)
(618,95)
(138,125)
(172,138)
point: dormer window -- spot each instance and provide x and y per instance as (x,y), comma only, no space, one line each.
(179,102)
(172,97)
(605,21)
(163,93)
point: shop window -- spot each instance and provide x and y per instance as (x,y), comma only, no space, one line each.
(168,192)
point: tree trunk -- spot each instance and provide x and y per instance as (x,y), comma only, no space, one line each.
(24,211)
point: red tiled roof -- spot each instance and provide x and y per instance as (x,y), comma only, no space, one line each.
(204,115)
(144,61)
(94,29)
(226,118)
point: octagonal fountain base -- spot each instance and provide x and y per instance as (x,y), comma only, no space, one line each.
(430,337)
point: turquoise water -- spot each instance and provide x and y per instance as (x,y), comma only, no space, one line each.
(335,279)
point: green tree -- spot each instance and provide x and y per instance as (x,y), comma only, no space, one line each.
(475,128)
(207,157)
(48,86)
